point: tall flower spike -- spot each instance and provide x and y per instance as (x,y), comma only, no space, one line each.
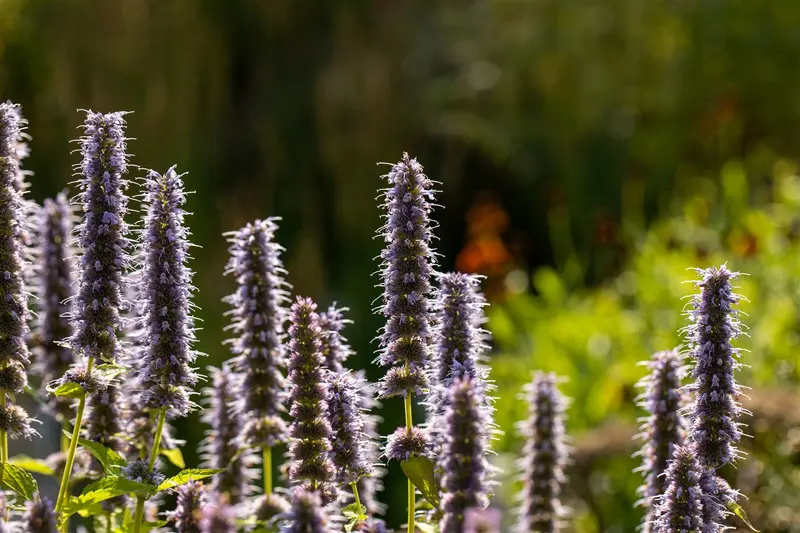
(714,324)
(681,508)
(189,507)
(334,346)
(103,237)
(306,515)
(460,347)
(348,440)
(544,457)
(310,430)
(54,273)
(14,356)
(407,265)
(465,478)
(258,318)
(166,305)
(39,517)
(221,449)
(664,428)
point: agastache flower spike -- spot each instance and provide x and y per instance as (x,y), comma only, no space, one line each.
(218,517)
(465,477)
(664,428)
(54,273)
(544,457)
(14,356)
(348,440)
(407,265)
(166,304)
(334,346)
(310,445)
(258,317)
(39,517)
(306,514)
(102,237)
(714,324)
(189,507)
(221,448)
(370,486)
(680,509)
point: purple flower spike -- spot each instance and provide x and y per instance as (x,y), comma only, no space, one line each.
(39,517)
(168,327)
(54,273)
(347,418)
(102,237)
(465,478)
(221,448)
(544,457)
(310,429)
(407,265)
(334,346)
(681,506)
(306,515)
(258,318)
(664,428)
(104,421)
(218,517)
(189,507)
(482,521)
(370,486)
(714,324)
(13,148)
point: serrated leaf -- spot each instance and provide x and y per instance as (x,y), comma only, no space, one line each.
(174,456)
(67,390)
(37,466)
(101,490)
(18,480)
(108,458)
(354,515)
(420,471)
(736,509)
(108,371)
(184,476)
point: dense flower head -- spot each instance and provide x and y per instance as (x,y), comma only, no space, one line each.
(218,517)
(406,443)
(165,304)
(258,316)
(39,517)
(310,430)
(14,420)
(717,494)
(347,419)
(221,449)
(335,349)
(406,269)
(544,457)
(680,509)
(13,295)
(306,514)
(191,499)
(54,288)
(464,454)
(269,507)
(665,427)
(139,471)
(714,323)
(478,520)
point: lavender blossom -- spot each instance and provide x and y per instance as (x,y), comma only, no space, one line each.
(306,515)
(406,443)
(346,418)
(310,429)
(681,508)
(465,479)
(166,304)
(544,457)
(664,428)
(267,508)
(258,317)
(221,448)
(714,324)
(39,517)
(407,265)
(369,486)
(14,356)
(55,278)
(334,346)
(189,507)
(102,237)
(218,517)
(716,496)
(482,521)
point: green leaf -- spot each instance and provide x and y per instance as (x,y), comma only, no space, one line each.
(426,528)
(420,471)
(108,458)
(67,390)
(736,509)
(18,480)
(185,476)
(37,466)
(108,371)
(354,515)
(101,490)
(174,456)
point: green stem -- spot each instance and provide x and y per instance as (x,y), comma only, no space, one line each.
(63,489)
(412,493)
(267,467)
(139,516)
(354,485)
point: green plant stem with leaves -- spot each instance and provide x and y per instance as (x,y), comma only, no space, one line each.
(267,467)
(139,516)
(63,490)
(412,492)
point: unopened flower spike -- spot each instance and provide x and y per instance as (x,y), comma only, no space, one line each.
(335,349)
(188,513)
(39,517)
(306,514)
